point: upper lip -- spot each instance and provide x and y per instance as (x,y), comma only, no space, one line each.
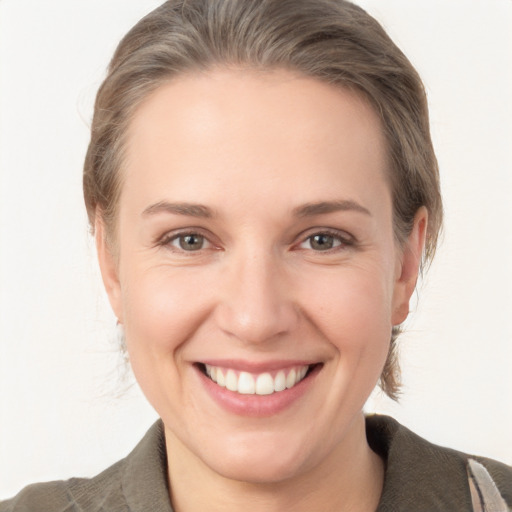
(257,367)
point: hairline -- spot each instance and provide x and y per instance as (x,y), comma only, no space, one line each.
(111,218)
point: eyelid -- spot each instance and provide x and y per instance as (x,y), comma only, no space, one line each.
(346,239)
(164,240)
(169,236)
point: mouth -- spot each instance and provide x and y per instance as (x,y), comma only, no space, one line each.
(264,383)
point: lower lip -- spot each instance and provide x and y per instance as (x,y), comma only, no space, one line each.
(257,405)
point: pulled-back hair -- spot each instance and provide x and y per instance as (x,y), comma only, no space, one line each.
(331,40)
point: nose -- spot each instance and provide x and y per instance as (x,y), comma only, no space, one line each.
(256,304)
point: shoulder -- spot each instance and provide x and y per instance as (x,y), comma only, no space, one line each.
(137,482)
(72,494)
(424,476)
(490,480)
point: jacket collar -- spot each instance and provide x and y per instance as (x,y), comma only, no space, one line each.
(144,480)
(419,475)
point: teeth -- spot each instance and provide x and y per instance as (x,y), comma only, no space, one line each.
(291,379)
(246,383)
(264,384)
(220,379)
(231,381)
(280,381)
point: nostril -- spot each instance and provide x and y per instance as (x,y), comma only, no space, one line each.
(256,325)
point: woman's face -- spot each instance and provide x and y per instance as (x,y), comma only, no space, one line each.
(254,244)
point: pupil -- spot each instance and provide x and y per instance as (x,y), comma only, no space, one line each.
(322,242)
(191,242)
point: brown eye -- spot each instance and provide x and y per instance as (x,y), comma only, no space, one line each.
(189,242)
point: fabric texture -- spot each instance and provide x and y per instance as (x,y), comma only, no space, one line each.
(485,494)
(423,477)
(419,477)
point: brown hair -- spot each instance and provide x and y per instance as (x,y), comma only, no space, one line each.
(331,40)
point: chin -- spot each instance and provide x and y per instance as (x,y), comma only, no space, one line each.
(259,472)
(267,460)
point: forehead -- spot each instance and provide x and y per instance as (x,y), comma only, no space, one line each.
(253,129)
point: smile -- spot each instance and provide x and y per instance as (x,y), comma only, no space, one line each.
(265,383)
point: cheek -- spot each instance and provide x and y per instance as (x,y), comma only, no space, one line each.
(163,308)
(162,311)
(351,306)
(352,312)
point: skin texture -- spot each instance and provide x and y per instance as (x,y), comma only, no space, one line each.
(254,149)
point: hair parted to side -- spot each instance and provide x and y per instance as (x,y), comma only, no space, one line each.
(331,40)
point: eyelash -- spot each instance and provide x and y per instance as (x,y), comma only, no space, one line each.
(341,239)
(344,240)
(167,239)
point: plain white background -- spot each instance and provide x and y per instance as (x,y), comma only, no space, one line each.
(66,405)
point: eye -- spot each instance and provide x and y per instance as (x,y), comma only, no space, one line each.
(325,241)
(189,242)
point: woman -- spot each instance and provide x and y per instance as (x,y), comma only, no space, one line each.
(262,187)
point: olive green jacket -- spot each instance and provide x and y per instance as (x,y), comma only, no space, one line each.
(419,477)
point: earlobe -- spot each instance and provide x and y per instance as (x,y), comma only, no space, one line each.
(108,267)
(409,266)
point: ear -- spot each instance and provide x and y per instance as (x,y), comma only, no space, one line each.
(108,267)
(408,267)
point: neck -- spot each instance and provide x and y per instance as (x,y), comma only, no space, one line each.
(349,479)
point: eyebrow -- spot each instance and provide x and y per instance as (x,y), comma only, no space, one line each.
(322,207)
(189,209)
(307,210)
